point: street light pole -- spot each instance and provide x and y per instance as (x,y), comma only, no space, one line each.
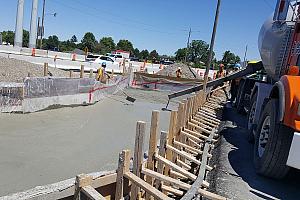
(211,48)
(43,29)
(188,45)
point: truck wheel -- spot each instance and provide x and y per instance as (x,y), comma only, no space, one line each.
(240,98)
(251,117)
(272,143)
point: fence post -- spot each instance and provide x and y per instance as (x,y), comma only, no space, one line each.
(123,167)
(138,156)
(171,136)
(81,181)
(152,146)
(45,69)
(71,74)
(161,152)
(81,71)
(91,73)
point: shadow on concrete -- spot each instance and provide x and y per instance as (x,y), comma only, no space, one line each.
(241,160)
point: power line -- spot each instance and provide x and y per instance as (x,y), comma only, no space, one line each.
(110,20)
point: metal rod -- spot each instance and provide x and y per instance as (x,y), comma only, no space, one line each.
(211,48)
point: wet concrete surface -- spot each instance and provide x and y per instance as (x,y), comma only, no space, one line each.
(50,146)
(235,177)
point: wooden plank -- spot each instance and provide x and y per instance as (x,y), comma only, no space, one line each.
(180,118)
(213,116)
(183,164)
(202,120)
(138,155)
(208,118)
(123,167)
(196,139)
(201,124)
(161,152)
(187,147)
(81,180)
(177,174)
(187,156)
(45,69)
(171,136)
(152,146)
(167,179)
(195,143)
(91,193)
(145,186)
(200,128)
(172,190)
(176,167)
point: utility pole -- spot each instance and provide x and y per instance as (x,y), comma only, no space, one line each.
(245,56)
(188,45)
(43,29)
(211,48)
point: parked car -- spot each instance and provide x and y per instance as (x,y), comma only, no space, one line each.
(108,60)
(92,57)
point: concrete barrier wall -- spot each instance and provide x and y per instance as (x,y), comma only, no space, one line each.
(41,93)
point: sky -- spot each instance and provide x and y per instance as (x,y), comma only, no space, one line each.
(153,24)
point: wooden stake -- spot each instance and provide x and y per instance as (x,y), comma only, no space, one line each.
(123,167)
(161,152)
(81,71)
(152,146)
(91,73)
(171,136)
(45,69)
(70,73)
(138,155)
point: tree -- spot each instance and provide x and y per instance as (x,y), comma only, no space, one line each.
(74,39)
(230,58)
(25,38)
(198,51)
(8,37)
(125,45)
(51,43)
(144,54)
(180,54)
(89,41)
(153,55)
(106,45)
(136,53)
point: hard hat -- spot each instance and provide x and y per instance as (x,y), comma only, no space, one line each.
(103,64)
(238,65)
(179,68)
(221,65)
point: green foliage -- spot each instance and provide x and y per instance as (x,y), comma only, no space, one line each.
(51,43)
(180,54)
(25,38)
(125,45)
(136,53)
(89,41)
(74,39)
(105,45)
(144,54)
(230,58)
(153,55)
(198,51)
(8,37)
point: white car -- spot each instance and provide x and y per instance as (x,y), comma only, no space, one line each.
(110,63)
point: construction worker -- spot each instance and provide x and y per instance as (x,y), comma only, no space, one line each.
(101,75)
(221,72)
(178,72)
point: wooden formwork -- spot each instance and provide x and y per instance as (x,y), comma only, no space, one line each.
(178,166)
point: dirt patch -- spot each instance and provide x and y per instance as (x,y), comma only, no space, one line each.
(187,72)
(12,70)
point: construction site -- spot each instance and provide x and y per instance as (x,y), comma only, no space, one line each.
(80,125)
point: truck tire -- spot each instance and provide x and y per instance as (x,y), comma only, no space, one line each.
(240,97)
(272,143)
(250,118)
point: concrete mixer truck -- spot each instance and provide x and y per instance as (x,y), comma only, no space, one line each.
(274,109)
(273,101)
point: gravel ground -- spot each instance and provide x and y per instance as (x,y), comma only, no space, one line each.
(170,70)
(235,177)
(12,70)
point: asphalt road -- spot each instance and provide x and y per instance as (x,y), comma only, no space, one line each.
(235,177)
